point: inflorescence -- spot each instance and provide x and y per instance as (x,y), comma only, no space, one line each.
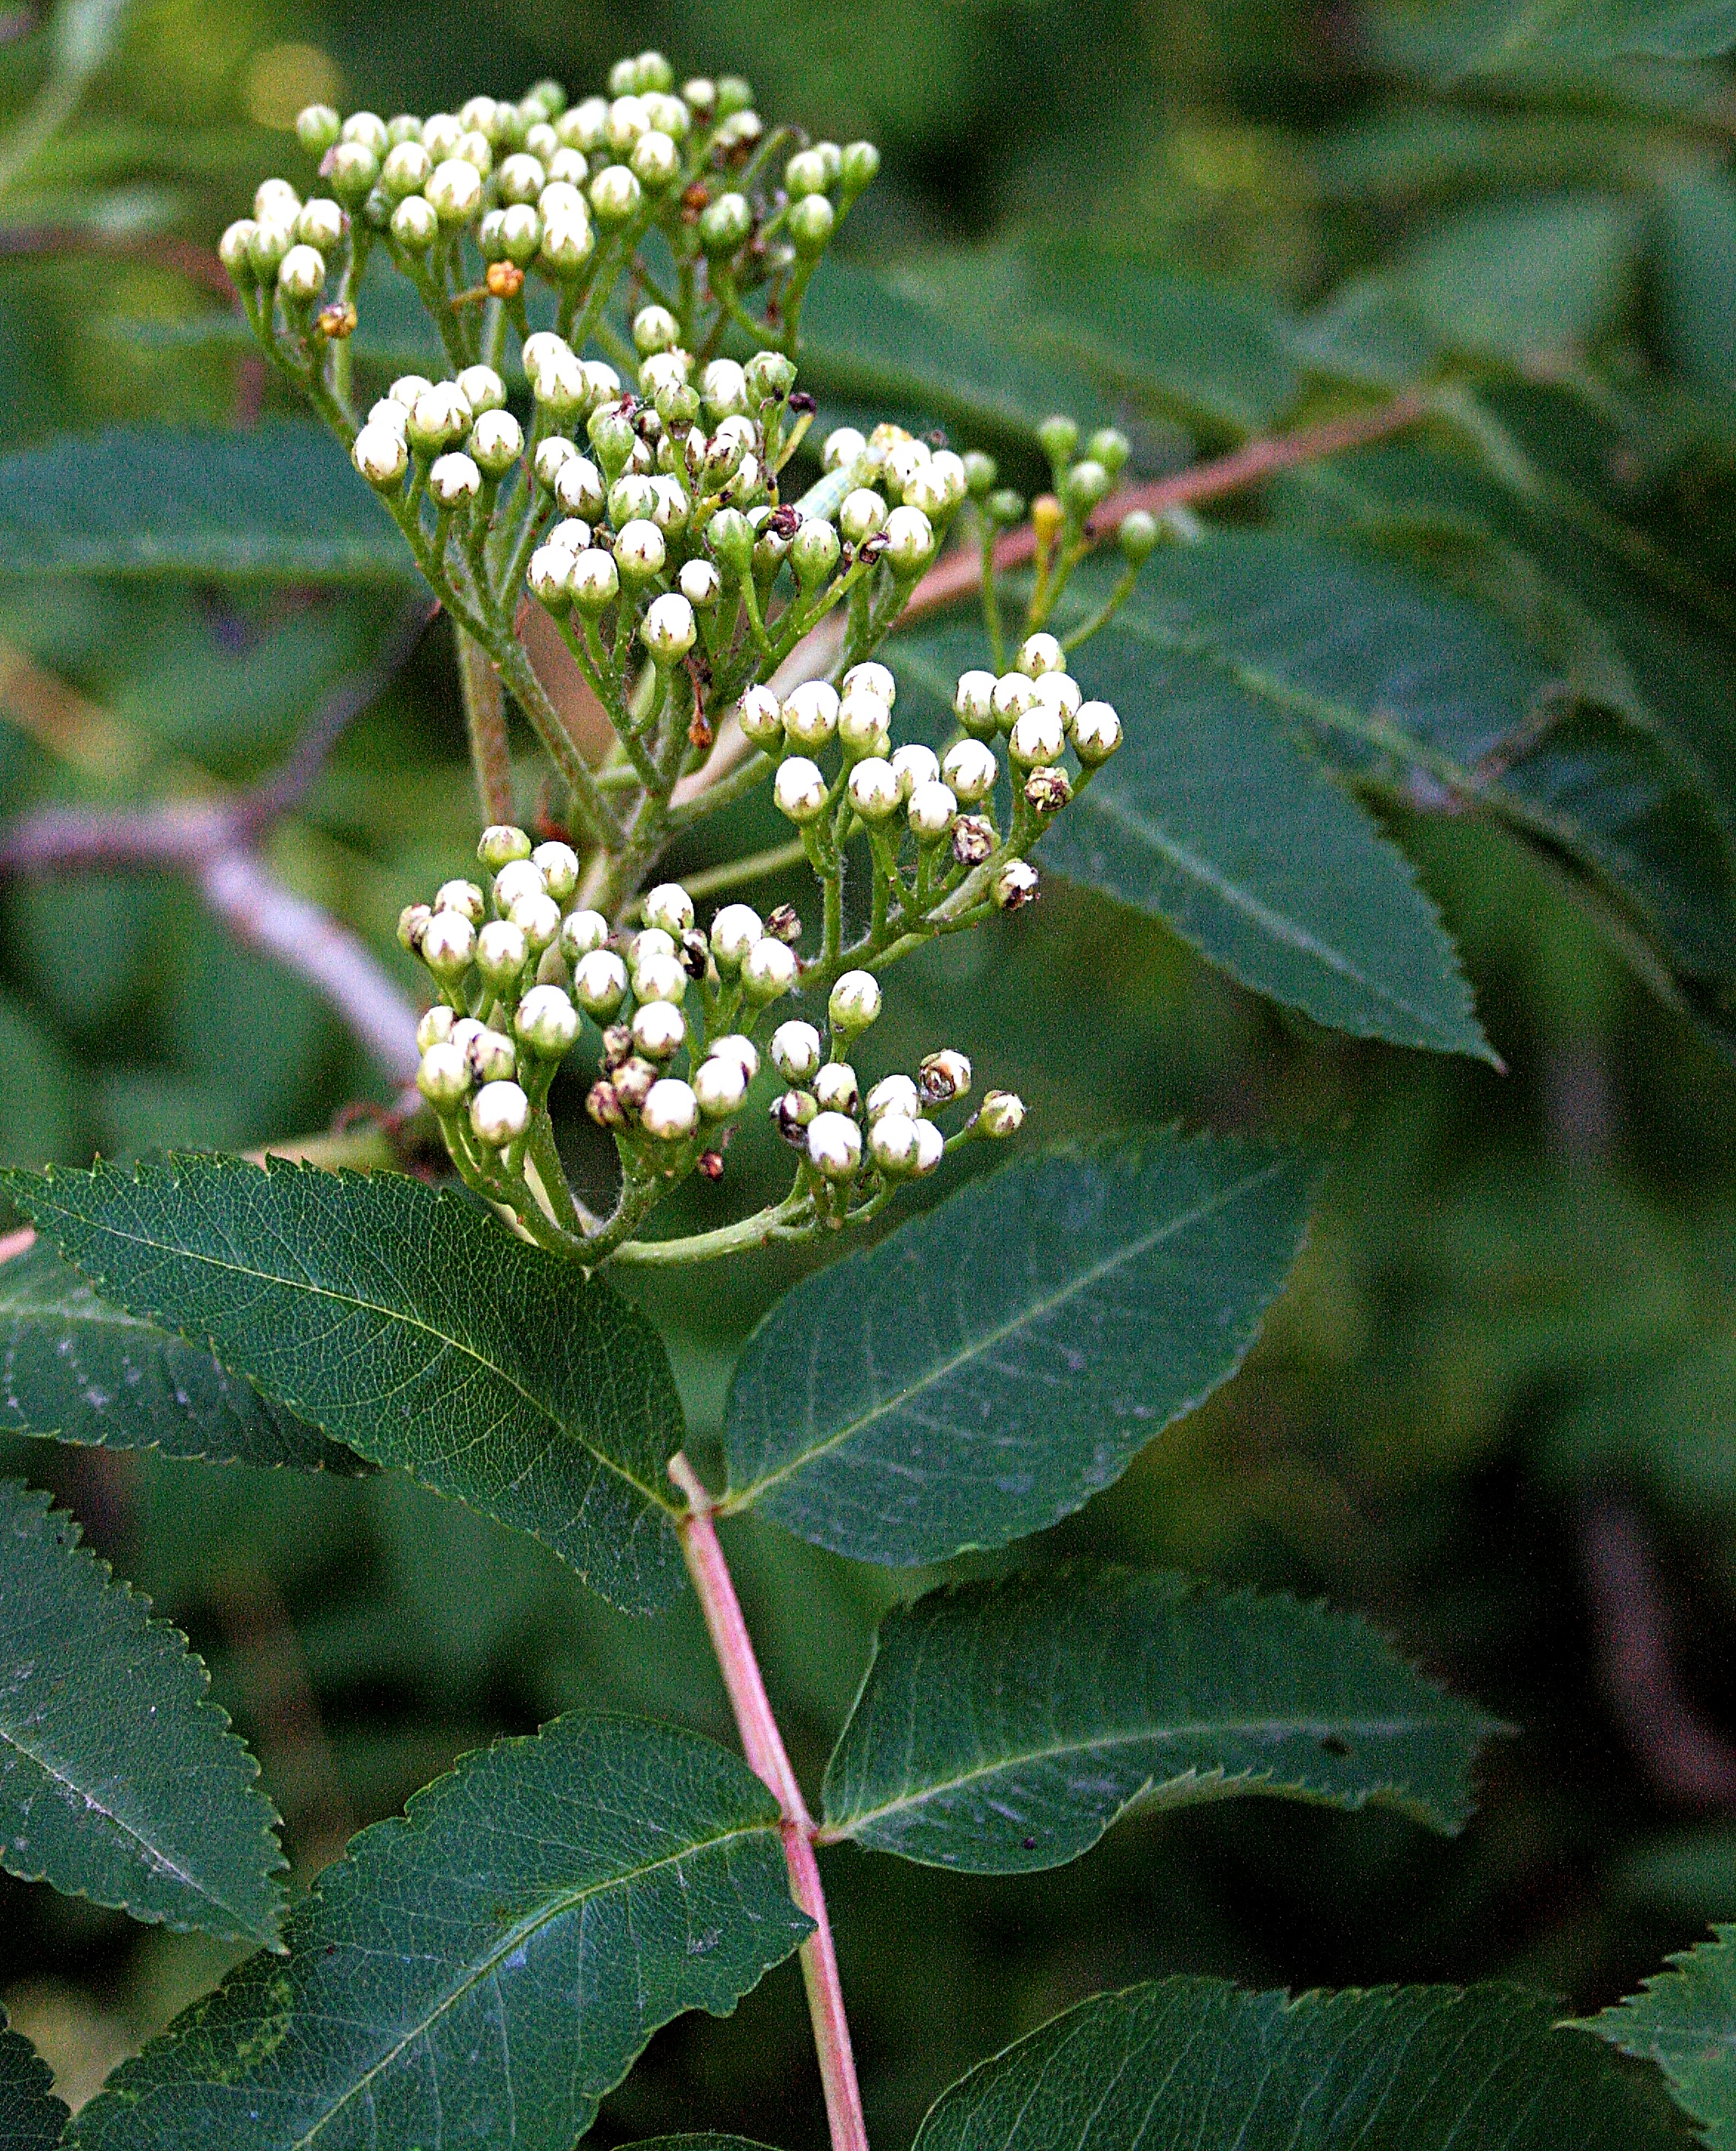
(727,633)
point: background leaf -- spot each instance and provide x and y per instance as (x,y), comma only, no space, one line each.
(119,1780)
(408,1325)
(31,2116)
(80,1370)
(1686,2022)
(485,1970)
(989,1367)
(1199,2065)
(1004,1725)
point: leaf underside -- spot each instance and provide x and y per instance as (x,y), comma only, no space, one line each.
(1199,2065)
(1685,2021)
(484,1970)
(989,1366)
(1004,1725)
(119,1780)
(31,2116)
(404,1323)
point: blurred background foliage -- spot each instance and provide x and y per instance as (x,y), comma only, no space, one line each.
(1497,1409)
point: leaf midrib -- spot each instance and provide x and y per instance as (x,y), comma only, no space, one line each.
(390,1314)
(739,1497)
(515,1937)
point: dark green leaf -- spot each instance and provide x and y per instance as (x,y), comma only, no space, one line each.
(36,1103)
(407,1324)
(79,1371)
(1697,275)
(280,501)
(1004,1725)
(704,2143)
(1199,2065)
(1686,2022)
(119,1781)
(989,1367)
(1589,31)
(31,2116)
(482,1970)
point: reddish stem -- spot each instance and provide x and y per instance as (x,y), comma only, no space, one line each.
(764,1747)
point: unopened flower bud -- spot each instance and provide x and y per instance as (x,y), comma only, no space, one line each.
(500,844)
(733,1046)
(730,538)
(768,970)
(973,840)
(537,917)
(651,941)
(875,790)
(582,932)
(380,455)
(1137,537)
(865,725)
(720,1087)
(796,1051)
(700,584)
(1038,654)
(462,896)
(615,194)
(1084,486)
(657,977)
(792,1115)
(557,864)
(1059,691)
(654,329)
(814,552)
(1059,437)
(499,1113)
(810,713)
(1036,737)
(518,878)
(414,225)
(1017,885)
(725,225)
(843,445)
(1097,732)
(548,577)
(600,983)
(435,1027)
(577,484)
(321,224)
(268,242)
(1109,447)
(1047,790)
(669,631)
(366,127)
(805,174)
(448,942)
(1002,1114)
(914,765)
(862,515)
(406,170)
(854,1003)
(660,1031)
(453,481)
(443,1076)
(603,1103)
(834,1145)
(1014,694)
(316,129)
(521,178)
(799,789)
(351,169)
(836,1090)
(734,931)
(942,1077)
(974,704)
(970,769)
(640,551)
(594,580)
(894,1094)
(438,417)
(454,190)
(547,1021)
(930,811)
(233,250)
(654,159)
(810,223)
(980,472)
(502,952)
(491,1056)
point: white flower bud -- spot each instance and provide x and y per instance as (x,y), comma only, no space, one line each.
(892,1141)
(843,445)
(453,480)
(567,245)
(539,919)
(549,577)
(656,160)
(659,978)
(914,765)
(557,864)
(602,384)
(1016,886)
(521,877)
(627,122)
(302,273)
(671,506)
(441,132)
(406,170)
(482,389)
(720,1086)
(522,236)
(799,789)
(1097,732)
(700,584)
(444,1074)
(670,1110)
(1037,738)
(970,769)
(761,716)
(435,1027)
(901,458)
(522,178)
(861,514)
(734,931)
(768,970)
(666,113)
(929,490)
(582,932)
(276,201)
(448,942)
(954,480)
(578,487)
(499,1113)
(236,251)
(380,455)
(547,1021)
(502,952)
(500,844)
(810,713)
(927,1150)
(796,1051)
(855,1001)
(461,895)
(651,941)
(669,631)
(491,1057)
(615,194)
(408,390)
(1058,691)
(475,149)
(864,724)
(438,417)
(894,1094)
(558,385)
(872,678)
(1014,694)
(454,190)
(566,167)
(664,370)
(746,483)
(594,579)
(659,1029)
(368,127)
(1038,654)
(732,1046)
(834,1145)
(639,549)
(351,168)
(393,417)
(723,387)
(654,329)
(1003,1114)
(553,454)
(585,125)
(974,704)
(931,812)
(873,789)
(836,1090)
(600,983)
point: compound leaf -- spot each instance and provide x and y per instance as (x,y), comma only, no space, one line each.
(405,1324)
(483,1969)
(1004,1725)
(79,1371)
(1199,2065)
(31,2116)
(989,1367)
(119,1780)
(1686,2022)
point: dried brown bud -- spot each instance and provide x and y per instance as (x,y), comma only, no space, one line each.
(783,925)
(411,924)
(700,732)
(633,1080)
(505,280)
(617,1045)
(791,1114)
(605,1106)
(695,953)
(1047,790)
(973,840)
(336,321)
(711,1164)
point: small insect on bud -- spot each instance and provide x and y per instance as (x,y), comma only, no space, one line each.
(412,923)
(1002,1114)
(796,1051)
(500,844)
(970,769)
(931,810)
(799,789)
(1047,790)
(834,1145)
(1059,437)
(892,1094)
(1017,885)
(1036,737)
(594,580)
(783,924)
(491,1056)
(973,840)
(448,942)
(974,704)
(659,1029)
(462,896)
(734,931)
(380,455)
(761,716)
(836,1090)
(855,1002)
(1038,654)
(1097,732)
(792,1113)
(768,970)
(316,129)
(1137,537)
(942,1076)
(843,445)
(547,1021)
(600,983)
(720,1087)
(453,481)
(582,933)
(435,1027)
(669,631)
(443,1076)
(810,713)
(499,1113)
(502,952)
(874,791)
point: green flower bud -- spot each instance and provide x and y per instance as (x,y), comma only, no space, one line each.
(1006,507)
(406,171)
(861,162)
(769,376)
(234,250)
(351,168)
(980,472)
(615,194)
(316,129)
(805,174)
(1137,537)
(725,225)
(1059,437)
(814,553)
(1084,486)
(550,94)
(734,95)
(730,538)
(414,225)
(1110,447)
(406,127)
(613,437)
(654,329)
(810,224)
(500,844)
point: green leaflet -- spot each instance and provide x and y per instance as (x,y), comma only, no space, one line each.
(1210,819)
(406,1324)
(31,2116)
(1004,1725)
(119,1781)
(1589,31)
(80,1370)
(481,1970)
(1686,2022)
(989,1366)
(1199,2065)
(280,501)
